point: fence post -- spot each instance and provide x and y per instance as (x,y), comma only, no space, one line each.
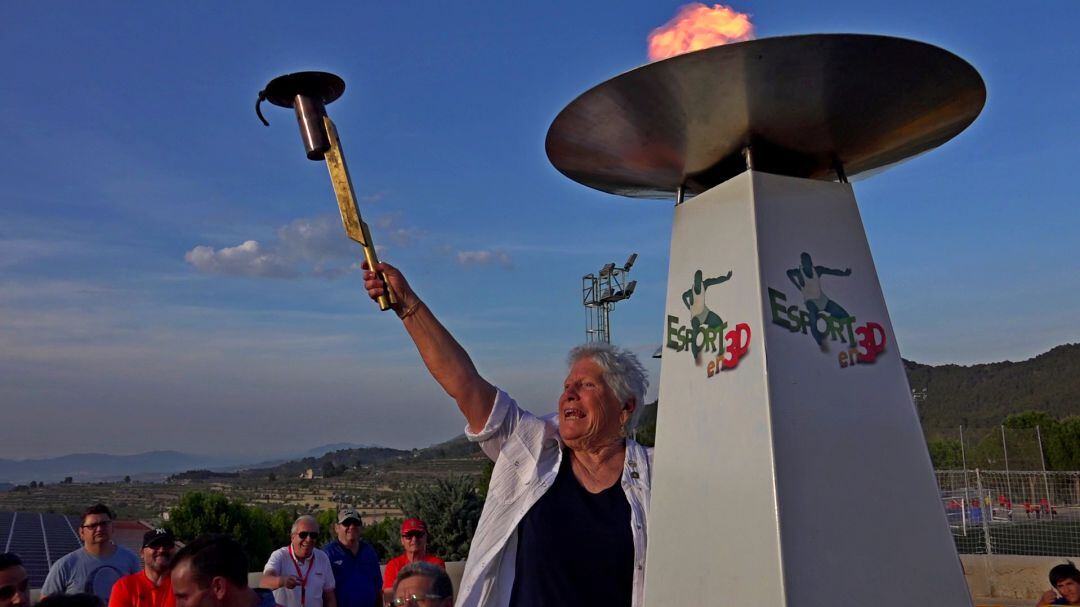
(985,524)
(1005,449)
(963,458)
(1046,483)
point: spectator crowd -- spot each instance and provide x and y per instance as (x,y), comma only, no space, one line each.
(211,571)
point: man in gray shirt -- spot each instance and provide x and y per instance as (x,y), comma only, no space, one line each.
(96,566)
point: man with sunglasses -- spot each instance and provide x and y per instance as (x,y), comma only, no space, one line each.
(14,583)
(414,537)
(96,566)
(151,587)
(300,574)
(356,565)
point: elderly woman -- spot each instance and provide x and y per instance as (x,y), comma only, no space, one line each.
(566,513)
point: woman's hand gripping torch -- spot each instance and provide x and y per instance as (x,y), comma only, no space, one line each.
(308,93)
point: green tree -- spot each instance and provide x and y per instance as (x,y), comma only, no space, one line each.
(127,479)
(327,519)
(1063,445)
(1030,419)
(945,453)
(645,434)
(330,470)
(451,508)
(385,537)
(197,513)
(281,521)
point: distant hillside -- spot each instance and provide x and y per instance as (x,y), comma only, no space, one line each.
(342,458)
(979,397)
(101,466)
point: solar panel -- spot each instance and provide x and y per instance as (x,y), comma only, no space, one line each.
(39,538)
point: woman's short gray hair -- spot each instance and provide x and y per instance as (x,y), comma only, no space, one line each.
(440,581)
(623,373)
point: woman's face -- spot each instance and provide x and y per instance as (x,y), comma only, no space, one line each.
(589,413)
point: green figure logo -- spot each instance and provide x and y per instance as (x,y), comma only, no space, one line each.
(826,319)
(707,331)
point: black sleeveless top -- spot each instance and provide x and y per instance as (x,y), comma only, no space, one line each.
(575,547)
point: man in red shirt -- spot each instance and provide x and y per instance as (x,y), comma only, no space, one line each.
(152,586)
(414,537)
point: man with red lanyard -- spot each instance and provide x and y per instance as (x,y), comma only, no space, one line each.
(414,537)
(151,587)
(300,574)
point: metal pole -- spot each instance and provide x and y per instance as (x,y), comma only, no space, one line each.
(748,156)
(985,525)
(1008,484)
(963,458)
(680,192)
(1046,481)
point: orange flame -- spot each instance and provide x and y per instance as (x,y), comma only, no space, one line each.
(696,26)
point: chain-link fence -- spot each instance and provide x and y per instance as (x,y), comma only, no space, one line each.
(1015,512)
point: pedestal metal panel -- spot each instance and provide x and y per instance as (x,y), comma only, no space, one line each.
(790,466)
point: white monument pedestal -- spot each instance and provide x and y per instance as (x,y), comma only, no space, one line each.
(788,472)
(790,468)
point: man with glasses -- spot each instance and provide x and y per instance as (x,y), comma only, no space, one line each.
(414,538)
(14,583)
(96,566)
(152,586)
(355,564)
(422,584)
(300,574)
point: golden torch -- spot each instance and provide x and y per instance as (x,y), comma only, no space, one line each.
(308,93)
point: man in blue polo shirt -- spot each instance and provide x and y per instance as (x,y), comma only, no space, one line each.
(355,564)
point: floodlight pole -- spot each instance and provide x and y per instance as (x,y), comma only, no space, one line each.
(599,292)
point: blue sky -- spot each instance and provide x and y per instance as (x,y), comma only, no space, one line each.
(133,316)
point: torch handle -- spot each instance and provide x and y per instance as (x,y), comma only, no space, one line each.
(372,258)
(355,227)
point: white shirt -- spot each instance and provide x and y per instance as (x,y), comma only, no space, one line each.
(320,578)
(527,452)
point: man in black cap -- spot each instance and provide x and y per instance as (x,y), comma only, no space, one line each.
(355,564)
(152,586)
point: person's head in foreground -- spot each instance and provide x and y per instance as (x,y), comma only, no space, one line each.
(349,527)
(414,537)
(14,583)
(602,396)
(1065,579)
(305,532)
(157,552)
(422,584)
(96,528)
(211,572)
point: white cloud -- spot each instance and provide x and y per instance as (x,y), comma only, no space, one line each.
(317,239)
(247,259)
(389,229)
(374,197)
(484,258)
(312,246)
